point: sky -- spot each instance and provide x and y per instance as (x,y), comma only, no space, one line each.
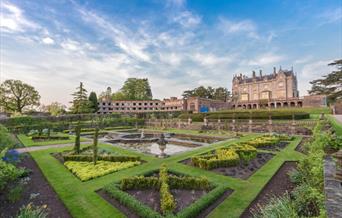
(177,44)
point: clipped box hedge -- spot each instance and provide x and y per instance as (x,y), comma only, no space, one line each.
(254,114)
(89,158)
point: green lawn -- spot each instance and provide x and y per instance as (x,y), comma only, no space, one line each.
(28,142)
(82,201)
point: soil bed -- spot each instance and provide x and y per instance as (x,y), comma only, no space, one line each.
(277,147)
(278,185)
(241,171)
(39,187)
(300,147)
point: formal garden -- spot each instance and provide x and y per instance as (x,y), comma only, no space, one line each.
(228,164)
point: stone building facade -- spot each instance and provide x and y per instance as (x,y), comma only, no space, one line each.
(279,89)
(193,104)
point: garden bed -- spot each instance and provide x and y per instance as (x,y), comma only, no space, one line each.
(278,185)
(241,171)
(165,193)
(300,147)
(37,191)
(276,147)
(81,165)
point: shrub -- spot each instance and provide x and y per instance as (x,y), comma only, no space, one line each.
(222,158)
(308,201)
(277,207)
(87,170)
(14,194)
(246,152)
(167,201)
(89,158)
(9,173)
(188,182)
(139,182)
(31,211)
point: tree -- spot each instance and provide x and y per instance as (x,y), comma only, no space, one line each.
(219,93)
(54,108)
(93,102)
(136,89)
(330,85)
(16,96)
(77,138)
(117,96)
(80,103)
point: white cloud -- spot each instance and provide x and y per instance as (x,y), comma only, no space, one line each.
(71,45)
(120,35)
(187,19)
(12,19)
(266,59)
(170,58)
(208,59)
(234,27)
(48,41)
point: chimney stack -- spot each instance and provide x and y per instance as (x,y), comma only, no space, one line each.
(253,74)
(274,70)
(260,71)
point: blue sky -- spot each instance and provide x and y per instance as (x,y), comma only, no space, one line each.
(177,44)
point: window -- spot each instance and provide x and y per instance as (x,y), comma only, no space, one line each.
(265,95)
(244,97)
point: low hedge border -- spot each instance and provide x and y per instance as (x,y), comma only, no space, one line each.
(89,158)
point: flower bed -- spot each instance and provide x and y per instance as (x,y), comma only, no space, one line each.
(87,170)
(166,193)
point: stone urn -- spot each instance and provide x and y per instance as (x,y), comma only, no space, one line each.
(338,156)
(162,145)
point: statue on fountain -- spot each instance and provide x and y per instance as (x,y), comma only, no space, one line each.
(142,135)
(162,145)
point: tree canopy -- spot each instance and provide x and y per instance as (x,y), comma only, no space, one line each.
(330,85)
(219,93)
(16,96)
(134,89)
(80,103)
(54,108)
(93,101)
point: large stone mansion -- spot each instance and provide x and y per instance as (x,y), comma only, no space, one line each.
(278,89)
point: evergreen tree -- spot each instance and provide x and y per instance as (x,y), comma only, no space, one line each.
(80,103)
(330,85)
(96,136)
(77,138)
(93,102)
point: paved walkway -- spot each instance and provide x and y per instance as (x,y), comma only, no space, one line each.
(43,147)
(338,117)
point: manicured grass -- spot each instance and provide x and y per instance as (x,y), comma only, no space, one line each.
(336,125)
(28,142)
(82,200)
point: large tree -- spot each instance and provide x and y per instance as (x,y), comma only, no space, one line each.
(219,93)
(134,89)
(330,85)
(80,103)
(16,96)
(93,102)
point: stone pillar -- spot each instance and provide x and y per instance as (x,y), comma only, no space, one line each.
(270,124)
(233,125)
(219,125)
(205,120)
(250,122)
(179,124)
(189,121)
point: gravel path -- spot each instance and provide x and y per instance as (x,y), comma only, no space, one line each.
(43,147)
